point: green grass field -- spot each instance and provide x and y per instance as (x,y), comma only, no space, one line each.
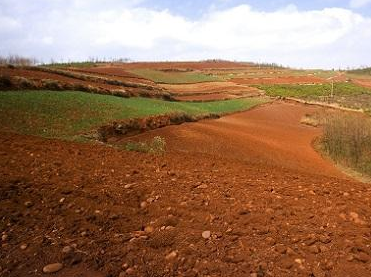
(174,77)
(303,91)
(69,114)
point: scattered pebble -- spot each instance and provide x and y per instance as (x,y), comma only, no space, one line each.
(28,204)
(172,255)
(206,234)
(51,268)
(67,249)
(143,205)
(148,229)
(203,186)
(24,246)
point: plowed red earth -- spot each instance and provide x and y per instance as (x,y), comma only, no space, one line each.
(209,91)
(114,71)
(362,82)
(185,65)
(206,97)
(279,80)
(272,205)
(39,75)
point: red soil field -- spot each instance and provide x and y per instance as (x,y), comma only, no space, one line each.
(279,80)
(38,75)
(244,195)
(206,97)
(185,65)
(362,82)
(114,71)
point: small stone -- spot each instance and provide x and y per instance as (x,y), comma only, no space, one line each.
(270,241)
(130,271)
(148,229)
(67,249)
(317,272)
(203,186)
(128,186)
(51,268)
(206,234)
(314,249)
(28,204)
(143,205)
(24,246)
(287,263)
(362,257)
(4,237)
(280,248)
(172,255)
(299,261)
(346,194)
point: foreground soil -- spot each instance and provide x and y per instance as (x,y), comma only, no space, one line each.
(244,195)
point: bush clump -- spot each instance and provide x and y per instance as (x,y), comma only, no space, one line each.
(5,82)
(155,146)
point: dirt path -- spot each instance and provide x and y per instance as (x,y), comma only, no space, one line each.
(244,195)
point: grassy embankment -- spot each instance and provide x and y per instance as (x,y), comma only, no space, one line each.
(174,77)
(345,94)
(67,115)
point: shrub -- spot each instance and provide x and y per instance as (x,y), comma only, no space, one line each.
(155,146)
(24,83)
(51,84)
(5,82)
(347,139)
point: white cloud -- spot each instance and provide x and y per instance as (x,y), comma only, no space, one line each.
(323,38)
(358,3)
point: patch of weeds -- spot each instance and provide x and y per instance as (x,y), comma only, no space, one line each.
(155,146)
(5,82)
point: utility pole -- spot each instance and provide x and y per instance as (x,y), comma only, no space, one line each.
(332,88)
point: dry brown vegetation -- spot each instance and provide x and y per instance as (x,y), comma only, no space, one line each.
(347,139)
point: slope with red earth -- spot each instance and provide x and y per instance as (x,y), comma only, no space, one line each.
(272,205)
(279,80)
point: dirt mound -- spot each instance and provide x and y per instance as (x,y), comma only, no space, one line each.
(244,195)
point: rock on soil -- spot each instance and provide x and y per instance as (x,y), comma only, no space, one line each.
(51,268)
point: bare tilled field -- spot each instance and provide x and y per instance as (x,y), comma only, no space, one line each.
(279,80)
(202,186)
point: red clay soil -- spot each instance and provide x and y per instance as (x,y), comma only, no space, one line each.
(272,205)
(114,71)
(279,80)
(185,65)
(210,87)
(206,97)
(362,82)
(39,75)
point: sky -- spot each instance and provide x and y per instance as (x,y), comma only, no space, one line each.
(303,34)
